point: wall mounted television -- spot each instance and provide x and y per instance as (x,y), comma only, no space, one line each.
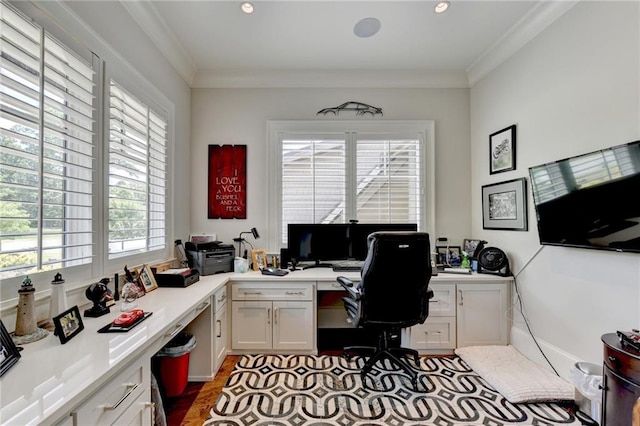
(590,200)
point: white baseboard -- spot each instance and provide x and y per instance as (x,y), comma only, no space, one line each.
(561,360)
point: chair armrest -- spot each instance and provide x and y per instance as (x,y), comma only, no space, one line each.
(347,284)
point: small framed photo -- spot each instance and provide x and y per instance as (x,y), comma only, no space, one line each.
(448,255)
(147,279)
(9,353)
(68,324)
(502,150)
(470,246)
(504,205)
(259,259)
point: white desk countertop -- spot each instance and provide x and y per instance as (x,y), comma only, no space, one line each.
(50,379)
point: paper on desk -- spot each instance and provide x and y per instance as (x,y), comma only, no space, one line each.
(177,271)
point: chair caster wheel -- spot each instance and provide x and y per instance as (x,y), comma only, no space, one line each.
(346,356)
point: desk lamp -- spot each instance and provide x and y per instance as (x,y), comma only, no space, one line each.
(240,240)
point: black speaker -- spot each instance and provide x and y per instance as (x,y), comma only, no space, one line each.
(492,260)
(284,258)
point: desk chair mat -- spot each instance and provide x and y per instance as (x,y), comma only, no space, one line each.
(306,390)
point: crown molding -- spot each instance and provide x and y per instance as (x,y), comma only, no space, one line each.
(330,79)
(521,33)
(150,21)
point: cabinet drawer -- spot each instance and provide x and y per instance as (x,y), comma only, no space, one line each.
(112,400)
(435,333)
(219,298)
(284,291)
(443,303)
(184,320)
(622,364)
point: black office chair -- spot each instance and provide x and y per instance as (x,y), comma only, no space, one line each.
(393,294)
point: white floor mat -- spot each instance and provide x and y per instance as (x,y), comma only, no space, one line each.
(513,375)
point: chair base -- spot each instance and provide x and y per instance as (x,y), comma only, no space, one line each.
(396,355)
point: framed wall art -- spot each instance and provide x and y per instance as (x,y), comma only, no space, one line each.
(9,353)
(502,150)
(227,190)
(68,324)
(504,205)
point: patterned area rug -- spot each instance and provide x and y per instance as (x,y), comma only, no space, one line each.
(328,390)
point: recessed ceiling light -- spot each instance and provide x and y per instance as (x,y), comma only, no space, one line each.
(367,27)
(442,6)
(247,7)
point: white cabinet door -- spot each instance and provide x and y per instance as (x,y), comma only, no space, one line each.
(201,362)
(293,325)
(482,314)
(251,325)
(221,336)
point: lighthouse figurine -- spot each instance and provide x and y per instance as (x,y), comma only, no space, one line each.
(27,330)
(58,297)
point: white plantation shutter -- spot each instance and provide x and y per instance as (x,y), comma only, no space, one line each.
(46,150)
(313,180)
(388,180)
(137,175)
(369,177)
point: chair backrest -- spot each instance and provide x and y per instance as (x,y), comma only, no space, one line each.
(395,279)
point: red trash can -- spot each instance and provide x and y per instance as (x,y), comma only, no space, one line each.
(174,364)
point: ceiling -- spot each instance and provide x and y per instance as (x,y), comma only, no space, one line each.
(308,43)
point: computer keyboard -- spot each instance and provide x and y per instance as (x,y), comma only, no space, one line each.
(347,265)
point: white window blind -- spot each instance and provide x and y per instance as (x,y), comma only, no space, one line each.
(372,178)
(46,150)
(313,181)
(137,175)
(388,180)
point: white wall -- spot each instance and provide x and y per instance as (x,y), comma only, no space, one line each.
(239,116)
(573,89)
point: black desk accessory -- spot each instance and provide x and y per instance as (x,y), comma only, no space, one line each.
(111,328)
(274,271)
(97,293)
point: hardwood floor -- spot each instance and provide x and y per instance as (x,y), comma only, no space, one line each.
(193,406)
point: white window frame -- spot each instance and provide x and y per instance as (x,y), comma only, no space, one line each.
(277,129)
(62,23)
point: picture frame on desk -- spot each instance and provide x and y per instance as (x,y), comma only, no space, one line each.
(9,353)
(147,279)
(259,259)
(68,324)
(448,255)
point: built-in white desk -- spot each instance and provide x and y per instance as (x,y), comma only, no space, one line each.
(104,378)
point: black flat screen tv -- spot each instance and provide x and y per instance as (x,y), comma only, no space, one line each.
(590,200)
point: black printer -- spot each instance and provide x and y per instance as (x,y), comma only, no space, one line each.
(210,258)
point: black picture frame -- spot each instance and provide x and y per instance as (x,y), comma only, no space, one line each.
(504,205)
(9,353)
(68,324)
(502,150)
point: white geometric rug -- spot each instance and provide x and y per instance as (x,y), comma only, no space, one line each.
(328,390)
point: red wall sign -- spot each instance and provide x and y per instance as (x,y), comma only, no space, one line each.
(227,182)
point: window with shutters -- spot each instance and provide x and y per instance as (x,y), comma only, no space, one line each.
(46,150)
(373,172)
(137,175)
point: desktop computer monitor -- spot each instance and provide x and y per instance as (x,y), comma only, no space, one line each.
(358,233)
(318,242)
